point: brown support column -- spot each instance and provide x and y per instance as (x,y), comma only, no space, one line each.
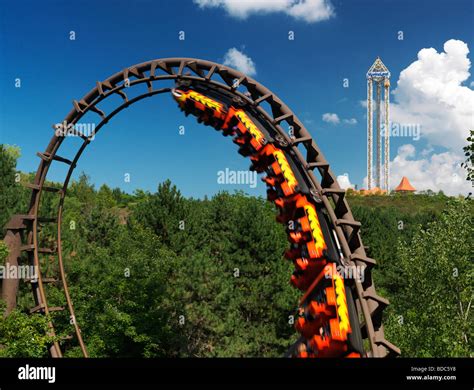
(13,240)
(53,351)
(10,285)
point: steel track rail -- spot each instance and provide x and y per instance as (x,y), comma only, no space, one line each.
(369,304)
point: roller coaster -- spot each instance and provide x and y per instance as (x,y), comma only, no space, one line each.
(338,316)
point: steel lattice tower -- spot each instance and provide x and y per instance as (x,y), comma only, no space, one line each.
(379,75)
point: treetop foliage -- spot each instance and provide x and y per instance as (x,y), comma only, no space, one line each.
(158,274)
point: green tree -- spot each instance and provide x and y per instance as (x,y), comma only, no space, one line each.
(3,253)
(10,190)
(164,212)
(469,153)
(431,315)
(83,190)
(234,286)
(106,197)
(124,312)
(23,335)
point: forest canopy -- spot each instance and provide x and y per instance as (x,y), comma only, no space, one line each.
(158,274)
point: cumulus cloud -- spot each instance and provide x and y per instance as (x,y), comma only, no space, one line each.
(440,171)
(331,118)
(352,121)
(240,61)
(434,171)
(344,181)
(307,10)
(430,93)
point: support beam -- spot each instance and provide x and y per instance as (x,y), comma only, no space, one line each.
(369,133)
(10,286)
(387,135)
(378,159)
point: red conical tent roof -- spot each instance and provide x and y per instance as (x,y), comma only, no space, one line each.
(405,185)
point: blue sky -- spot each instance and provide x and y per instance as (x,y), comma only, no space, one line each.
(307,74)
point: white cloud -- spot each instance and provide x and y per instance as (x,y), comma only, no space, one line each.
(331,118)
(427,151)
(334,119)
(311,10)
(344,181)
(352,121)
(307,10)
(429,93)
(471,84)
(440,171)
(238,60)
